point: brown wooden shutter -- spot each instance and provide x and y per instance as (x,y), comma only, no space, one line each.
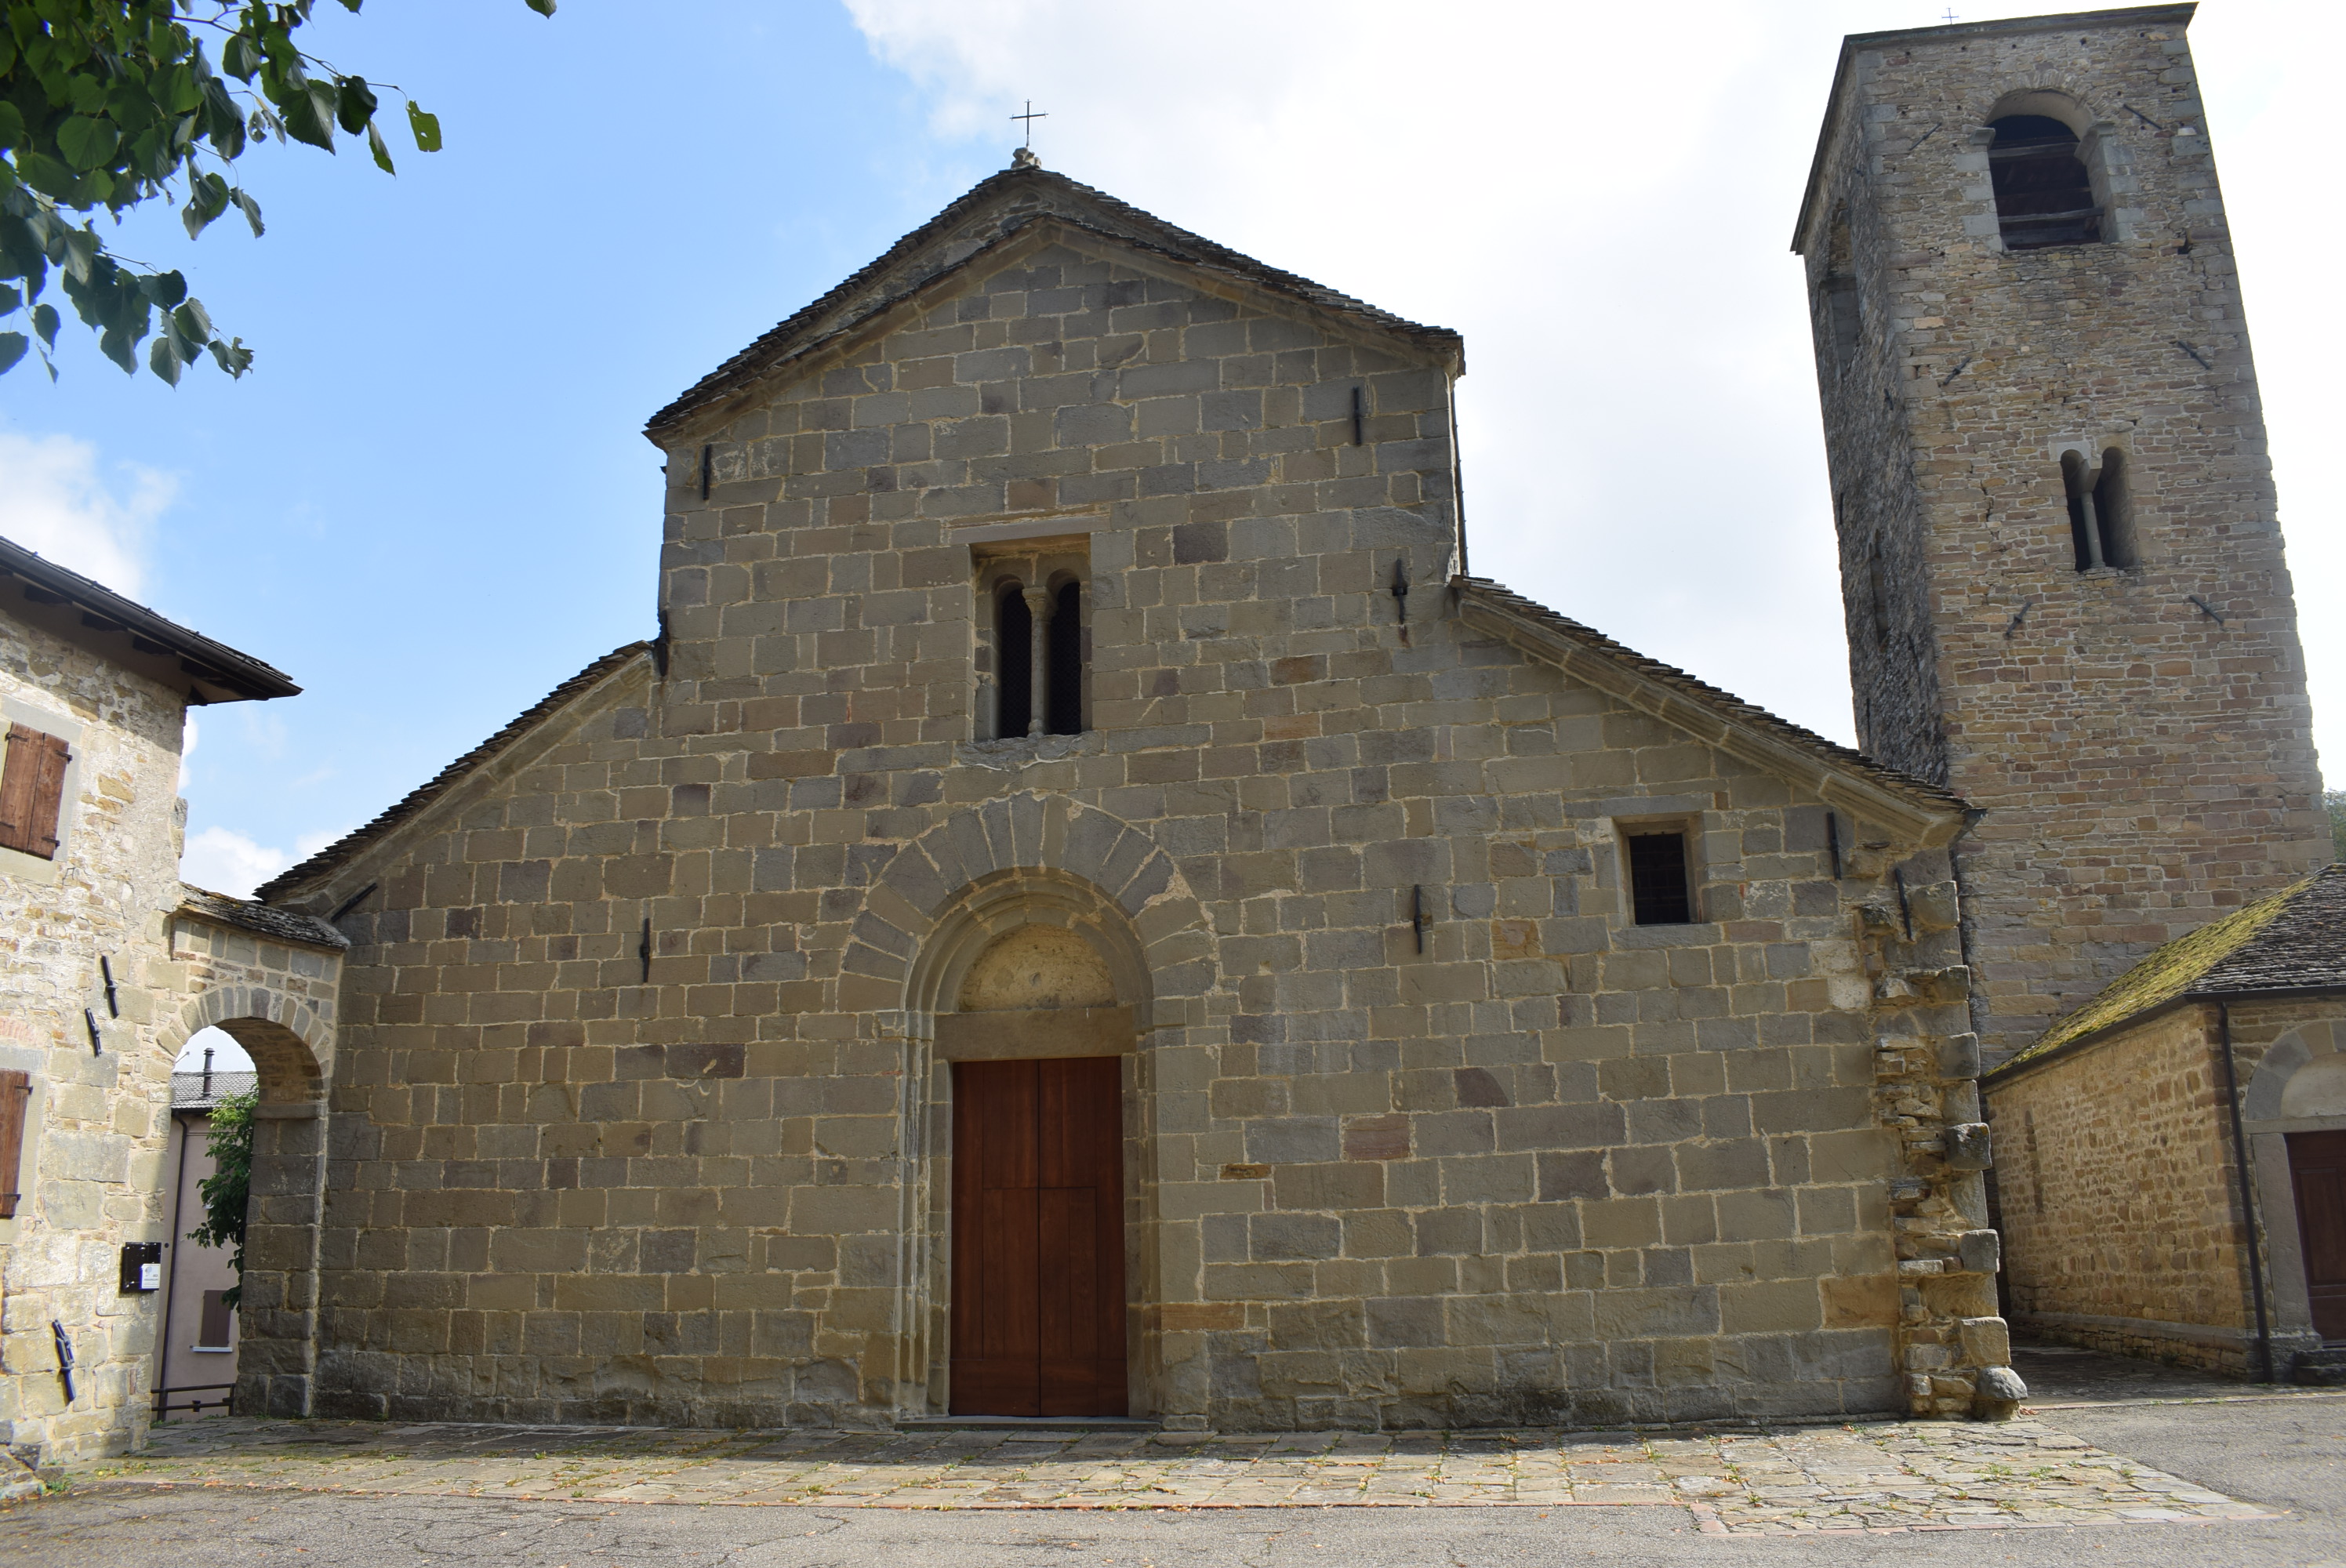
(31,791)
(16,1094)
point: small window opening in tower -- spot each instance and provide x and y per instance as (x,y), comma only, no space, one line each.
(1013,657)
(1065,715)
(2101,513)
(1658,894)
(2044,195)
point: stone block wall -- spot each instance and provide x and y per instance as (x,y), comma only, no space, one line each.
(2136,740)
(636,1113)
(91,1176)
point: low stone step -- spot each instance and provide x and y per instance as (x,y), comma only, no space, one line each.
(1044,1424)
(2322,1368)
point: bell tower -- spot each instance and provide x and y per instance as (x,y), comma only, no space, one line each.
(2062,571)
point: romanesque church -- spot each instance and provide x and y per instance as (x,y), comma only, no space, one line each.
(1088,908)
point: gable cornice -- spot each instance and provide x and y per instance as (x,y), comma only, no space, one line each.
(1914,808)
(1022,196)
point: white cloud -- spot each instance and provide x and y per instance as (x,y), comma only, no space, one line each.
(1607,218)
(53,499)
(227,861)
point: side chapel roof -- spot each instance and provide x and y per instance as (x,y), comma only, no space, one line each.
(448,778)
(2294,941)
(1844,777)
(990,212)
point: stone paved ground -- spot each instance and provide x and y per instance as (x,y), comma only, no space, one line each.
(1732,1480)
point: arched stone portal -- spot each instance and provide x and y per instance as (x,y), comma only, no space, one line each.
(1031,928)
(2298,1089)
(272,990)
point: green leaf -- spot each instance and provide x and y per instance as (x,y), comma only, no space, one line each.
(239,59)
(354,103)
(232,357)
(193,323)
(12,123)
(12,349)
(44,174)
(45,323)
(9,299)
(375,145)
(81,248)
(308,113)
(86,142)
(165,289)
(163,359)
(542,7)
(121,348)
(249,208)
(425,126)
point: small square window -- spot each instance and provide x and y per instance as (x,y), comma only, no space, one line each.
(1659,893)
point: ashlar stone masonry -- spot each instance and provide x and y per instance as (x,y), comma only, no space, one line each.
(657,1004)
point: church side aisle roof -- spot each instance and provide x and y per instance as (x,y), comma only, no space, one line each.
(988,212)
(2292,942)
(1842,776)
(448,778)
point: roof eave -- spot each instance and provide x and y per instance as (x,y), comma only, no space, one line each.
(1928,816)
(2021,1065)
(66,604)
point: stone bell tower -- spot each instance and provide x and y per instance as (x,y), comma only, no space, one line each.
(2062,569)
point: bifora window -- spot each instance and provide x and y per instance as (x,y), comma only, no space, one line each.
(1661,892)
(2101,513)
(1034,647)
(2043,194)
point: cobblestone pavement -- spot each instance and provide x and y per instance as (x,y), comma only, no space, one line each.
(1735,1481)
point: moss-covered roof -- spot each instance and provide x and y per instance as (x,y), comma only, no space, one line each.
(2294,940)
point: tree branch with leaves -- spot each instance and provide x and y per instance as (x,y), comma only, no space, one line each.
(228,1191)
(109,103)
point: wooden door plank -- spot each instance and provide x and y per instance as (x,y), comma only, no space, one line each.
(2317,1163)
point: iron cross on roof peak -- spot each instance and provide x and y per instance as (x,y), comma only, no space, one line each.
(1950,16)
(1030,116)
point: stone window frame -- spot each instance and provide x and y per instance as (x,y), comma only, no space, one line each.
(2092,454)
(1689,825)
(17,863)
(1050,563)
(2109,167)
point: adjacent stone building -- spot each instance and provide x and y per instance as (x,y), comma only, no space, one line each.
(2061,560)
(1088,909)
(2173,1170)
(97,978)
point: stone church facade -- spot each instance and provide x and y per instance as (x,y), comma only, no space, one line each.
(712,1037)
(1088,908)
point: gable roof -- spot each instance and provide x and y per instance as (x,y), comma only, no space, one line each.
(448,778)
(2289,943)
(989,213)
(90,615)
(1834,772)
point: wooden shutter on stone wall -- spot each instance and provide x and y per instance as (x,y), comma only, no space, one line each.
(31,791)
(16,1094)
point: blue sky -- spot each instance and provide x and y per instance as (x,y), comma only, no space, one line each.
(430,501)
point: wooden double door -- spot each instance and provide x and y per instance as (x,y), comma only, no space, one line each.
(1038,1237)
(2317,1172)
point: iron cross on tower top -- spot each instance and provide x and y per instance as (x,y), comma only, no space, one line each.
(1030,116)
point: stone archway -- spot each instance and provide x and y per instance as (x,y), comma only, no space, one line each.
(2298,1087)
(947,900)
(276,1002)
